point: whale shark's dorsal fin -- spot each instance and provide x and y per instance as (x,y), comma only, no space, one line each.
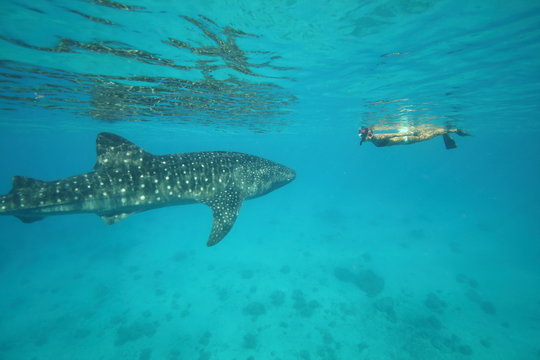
(225,207)
(25,182)
(113,150)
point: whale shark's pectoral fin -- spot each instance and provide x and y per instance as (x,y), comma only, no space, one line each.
(114,218)
(225,208)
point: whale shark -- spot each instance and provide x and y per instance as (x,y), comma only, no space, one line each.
(127,179)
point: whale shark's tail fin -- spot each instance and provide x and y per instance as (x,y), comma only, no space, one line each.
(449,143)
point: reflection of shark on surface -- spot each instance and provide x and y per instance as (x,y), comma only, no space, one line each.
(127,180)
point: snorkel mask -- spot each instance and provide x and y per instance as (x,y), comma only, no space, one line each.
(364,133)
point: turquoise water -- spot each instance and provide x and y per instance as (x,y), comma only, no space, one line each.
(403,252)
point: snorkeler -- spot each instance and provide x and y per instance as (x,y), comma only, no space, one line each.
(406,136)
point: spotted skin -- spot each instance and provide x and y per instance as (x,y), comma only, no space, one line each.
(128,180)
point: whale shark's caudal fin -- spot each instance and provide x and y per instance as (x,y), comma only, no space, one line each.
(225,208)
(114,151)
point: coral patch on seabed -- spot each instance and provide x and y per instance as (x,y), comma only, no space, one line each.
(366,280)
(434,303)
(250,341)
(385,306)
(277,298)
(305,308)
(254,310)
(471,286)
(135,331)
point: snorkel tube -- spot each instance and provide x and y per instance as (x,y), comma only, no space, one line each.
(363,134)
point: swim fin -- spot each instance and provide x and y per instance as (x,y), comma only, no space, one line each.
(449,143)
